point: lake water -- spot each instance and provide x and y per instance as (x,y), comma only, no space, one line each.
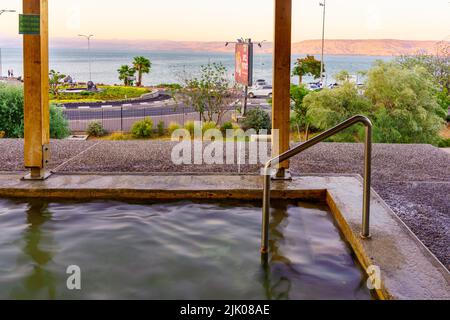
(167,67)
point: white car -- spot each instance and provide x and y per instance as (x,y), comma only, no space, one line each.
(260,83)
(260,91)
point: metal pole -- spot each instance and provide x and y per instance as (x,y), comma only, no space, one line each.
(365,233)
(89,54)
(121,118)
(324,4)
(266,212)
(244,108)
(88,38)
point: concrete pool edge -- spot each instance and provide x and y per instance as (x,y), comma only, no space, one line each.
(408,269)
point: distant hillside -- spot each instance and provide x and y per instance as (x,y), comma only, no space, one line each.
(366,47)
(382,47)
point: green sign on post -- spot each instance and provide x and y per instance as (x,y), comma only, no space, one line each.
(29,24)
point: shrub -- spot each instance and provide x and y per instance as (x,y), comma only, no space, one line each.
(11,115)
(209,125)
(95,129)
(11,111)
(190,126)
(2,134)
(257,119)
(119,136)
(161,128)
(143,128)
(59,126)
(445,143)
(226,126)
(173,86)
(173,126)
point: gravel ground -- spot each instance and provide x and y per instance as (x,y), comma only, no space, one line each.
(11,153)
(413,179)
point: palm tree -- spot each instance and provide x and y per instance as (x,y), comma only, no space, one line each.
(141,65)
(125,73)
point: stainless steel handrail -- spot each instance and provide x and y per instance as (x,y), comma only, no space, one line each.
(365,234)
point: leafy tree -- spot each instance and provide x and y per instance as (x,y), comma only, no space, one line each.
(141,65)
(55,80)
(210,94)
(438,68)
(405,107)
(327,108)
(307,66)
(125,73)
(342,76)
(300,117)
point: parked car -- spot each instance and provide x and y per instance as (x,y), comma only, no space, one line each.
(314,86)
(260,91)
(333,86)
(261,82)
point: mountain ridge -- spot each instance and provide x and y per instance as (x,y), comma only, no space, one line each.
(368,47)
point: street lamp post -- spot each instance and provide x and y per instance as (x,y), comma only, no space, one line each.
(1,64)
(3,11)
(88,38)
(324,5)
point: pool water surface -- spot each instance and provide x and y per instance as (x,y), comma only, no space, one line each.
(180,250)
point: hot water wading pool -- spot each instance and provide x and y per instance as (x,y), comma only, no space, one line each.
(174,250)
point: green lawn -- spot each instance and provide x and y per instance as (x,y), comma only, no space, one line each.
(107,93)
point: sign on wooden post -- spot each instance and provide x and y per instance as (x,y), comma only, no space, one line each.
(29,24)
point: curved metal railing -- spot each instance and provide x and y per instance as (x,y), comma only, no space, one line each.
(365,234)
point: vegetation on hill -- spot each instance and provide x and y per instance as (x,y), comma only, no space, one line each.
(105,93)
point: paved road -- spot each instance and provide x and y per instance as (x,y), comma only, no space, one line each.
(137,110)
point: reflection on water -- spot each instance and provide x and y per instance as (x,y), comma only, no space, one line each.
(277,289)
(39,283)
(178,250)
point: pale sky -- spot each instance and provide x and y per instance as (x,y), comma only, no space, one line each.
(220,20)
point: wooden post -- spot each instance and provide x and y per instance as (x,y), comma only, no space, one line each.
(281,108)
(36,88)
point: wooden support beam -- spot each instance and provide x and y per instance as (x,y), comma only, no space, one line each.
(281,107)
(36,97)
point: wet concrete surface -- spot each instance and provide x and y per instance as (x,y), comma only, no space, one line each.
(414,180)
